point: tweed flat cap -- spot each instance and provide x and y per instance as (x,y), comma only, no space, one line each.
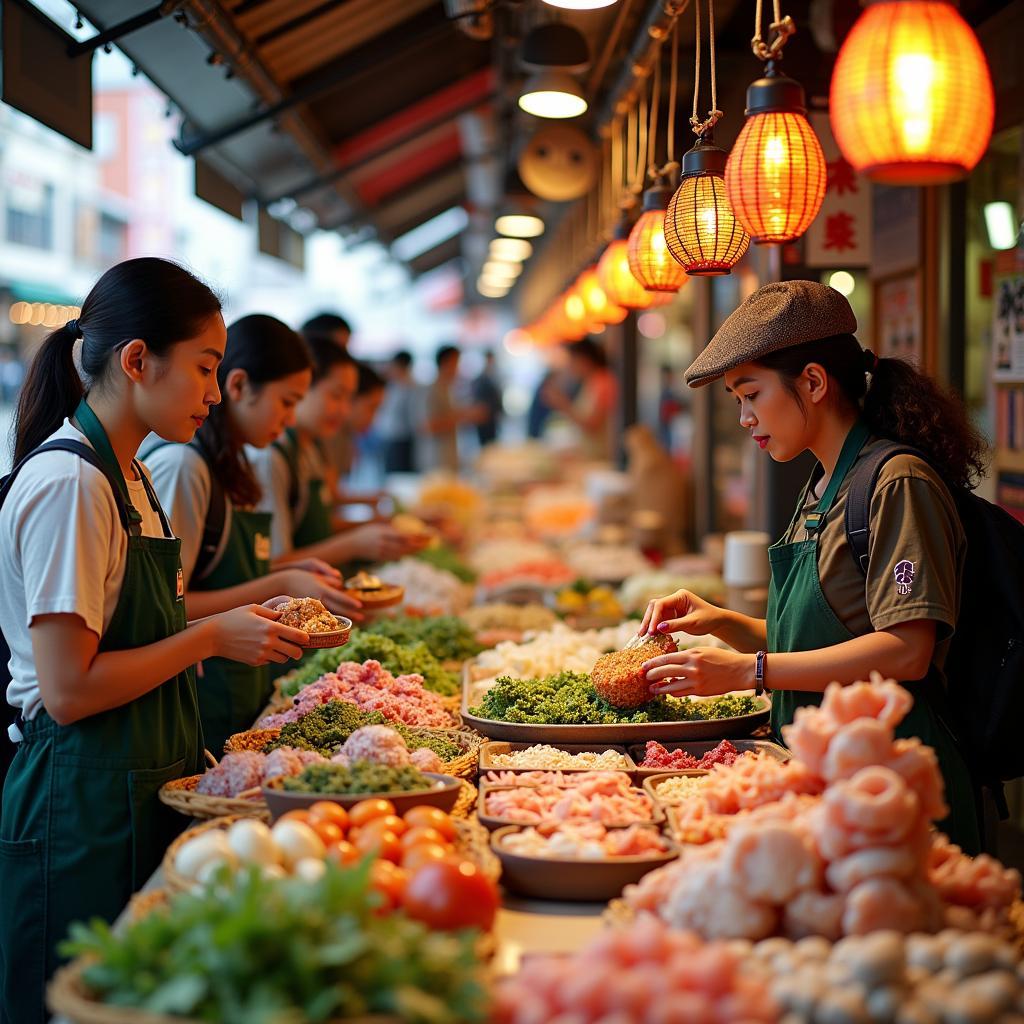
(775,317)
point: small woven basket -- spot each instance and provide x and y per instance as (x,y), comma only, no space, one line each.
(181,795)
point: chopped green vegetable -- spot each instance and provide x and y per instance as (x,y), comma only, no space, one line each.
(446,559)
(569,699)
(277,952)
(325,729)
(447,637)
(398,660)
(359,777)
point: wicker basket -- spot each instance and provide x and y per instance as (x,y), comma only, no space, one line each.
(68,996)
(466,802)
(181,795)
(472,839)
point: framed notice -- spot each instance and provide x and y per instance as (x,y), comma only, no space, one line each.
(899,329)
(1008,331)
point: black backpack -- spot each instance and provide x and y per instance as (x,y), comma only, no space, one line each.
(8,714)
(985,665)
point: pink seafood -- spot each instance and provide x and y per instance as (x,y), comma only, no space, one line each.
(881,699)
(714,905)
(919,766)
(876,802)
(605,797)
(879,861)
(861,744)
(814,912)
(971,882)
(538,778)
(771,862)
(884,904)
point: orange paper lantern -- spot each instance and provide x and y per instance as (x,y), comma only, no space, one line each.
(701,228)
(911,100)
(599,307)
(775,175)
(650,261)
(618,281)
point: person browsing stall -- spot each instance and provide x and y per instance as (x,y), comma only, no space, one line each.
(293,474)
(802,382)
(92,608)
(210,493)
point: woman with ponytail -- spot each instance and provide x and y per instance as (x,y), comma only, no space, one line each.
(92,608)
(210,493)
(802,382)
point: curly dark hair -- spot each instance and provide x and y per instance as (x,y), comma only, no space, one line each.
(897,401)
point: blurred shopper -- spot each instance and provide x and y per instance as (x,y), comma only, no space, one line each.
(593,407)
(330,326)
(444,414)
(396,421)
(670,405)
(487,396)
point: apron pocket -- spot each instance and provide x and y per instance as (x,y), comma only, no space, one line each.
(23,938)
(154,824)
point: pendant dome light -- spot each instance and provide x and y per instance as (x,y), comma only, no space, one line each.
(775,176)
(701,229)
(552,51)
(517,216)
(580,5)
(911,100)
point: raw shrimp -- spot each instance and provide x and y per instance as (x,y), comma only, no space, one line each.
(883,904)
(889,861)
(809,736)
(881,699)
(920,767)
(975,883)
(812,912)
(875,800)
(715,908)
(771,862)
(861,744)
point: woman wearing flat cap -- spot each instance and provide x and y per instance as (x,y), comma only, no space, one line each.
(802,382)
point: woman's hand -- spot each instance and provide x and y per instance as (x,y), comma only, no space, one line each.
(326,589)
(253,636)
(319,567)
(681,612)
(377,542)
(700,672)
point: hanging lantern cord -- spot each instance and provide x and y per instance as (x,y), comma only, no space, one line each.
(783,27)
(702,128)
(672,165)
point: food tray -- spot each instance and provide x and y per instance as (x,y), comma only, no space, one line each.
(444,795)
(495,823)
(559,735)
(181,795)
(332,638)
(550,878)
(493,747)
(377,600)
(69,997)
(653,781)
(700,747)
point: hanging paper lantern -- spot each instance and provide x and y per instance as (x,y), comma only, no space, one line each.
(701,230)
(599,307)
(775,176)
(618,281)
(575,318)
(649,259)
(911,100)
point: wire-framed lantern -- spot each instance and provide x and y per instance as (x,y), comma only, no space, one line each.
(911,99)
(618,281)
(775,175)
(650,260)
(701,230)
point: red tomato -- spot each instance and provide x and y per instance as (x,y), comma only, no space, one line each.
(390,881)
(391,822)
(324,810)
(420,834)
(302,816)
(367,810)
(328,831)
(385,845)
(431,817)
(414,857)
(343,853)
(447,895)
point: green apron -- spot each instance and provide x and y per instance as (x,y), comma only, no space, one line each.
(316,523)
(82,827)
(801,619)
(232,694)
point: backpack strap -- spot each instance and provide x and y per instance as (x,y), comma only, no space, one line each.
(131,521)
(216,513)
(858,499)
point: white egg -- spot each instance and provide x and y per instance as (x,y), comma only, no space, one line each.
(211,845)
(211,867)
(273,871)
(310,870)
(297,842)
(253,842)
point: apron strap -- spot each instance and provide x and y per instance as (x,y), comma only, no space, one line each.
(93,430)
(855,440)
(154,501)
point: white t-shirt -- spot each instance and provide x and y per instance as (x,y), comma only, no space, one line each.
(182,481)
(62,550)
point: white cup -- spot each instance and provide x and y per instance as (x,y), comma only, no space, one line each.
(745,563)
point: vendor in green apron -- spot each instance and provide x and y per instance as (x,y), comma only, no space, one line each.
(294,477)
(92,608)
(802,382)
(210,492)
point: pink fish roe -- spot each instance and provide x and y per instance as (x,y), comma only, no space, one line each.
(657,756)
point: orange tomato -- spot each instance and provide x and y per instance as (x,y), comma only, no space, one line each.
(324,810)
(448,895)
(417,836)
(416,856)
(385,845)
(431,817)
(366,810)
(342,853)
(391,822)
(390,881)
(328,831)
(302,816)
